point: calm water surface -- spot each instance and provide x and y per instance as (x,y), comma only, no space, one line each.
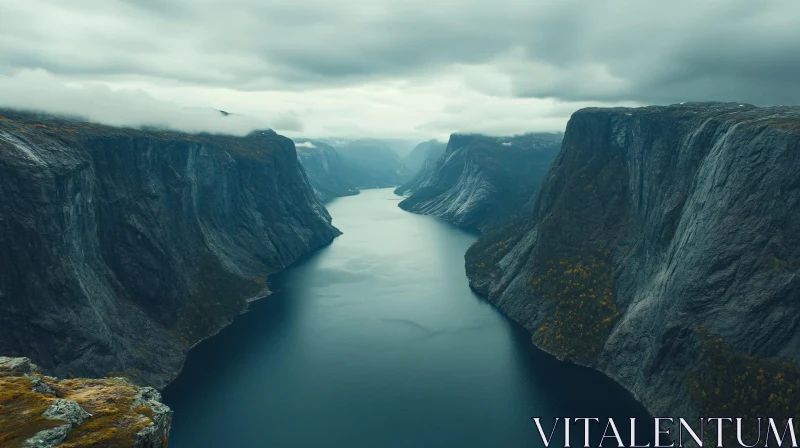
(377,341)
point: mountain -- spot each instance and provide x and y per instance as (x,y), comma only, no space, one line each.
(663,248)
(425,171)
(415,159)
(376,159)
(122,248)
(480,180)
(330,175)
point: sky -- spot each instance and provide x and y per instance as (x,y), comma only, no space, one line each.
(415,69)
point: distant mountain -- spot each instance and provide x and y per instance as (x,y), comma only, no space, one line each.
(378,161)
(417,157)
(327,172)
(433,151)
(481,180)
(400,147)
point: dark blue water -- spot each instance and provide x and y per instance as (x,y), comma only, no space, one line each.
(377,341)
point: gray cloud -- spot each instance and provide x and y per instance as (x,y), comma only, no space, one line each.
(571,51)
(40,91)
(289,122)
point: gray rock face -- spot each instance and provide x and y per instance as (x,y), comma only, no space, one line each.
(66,410)
(698,206)
(153,435)
(121,248)
(19,366)
(330,175)
(480,178)
(49,438)
(41,387)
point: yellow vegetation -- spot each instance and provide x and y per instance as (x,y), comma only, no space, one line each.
(730,383)
(585,308)
(21,411)
(113,422)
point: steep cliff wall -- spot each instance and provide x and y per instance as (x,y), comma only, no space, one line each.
(480,179)
(120,248)
(663,249)
(330,175)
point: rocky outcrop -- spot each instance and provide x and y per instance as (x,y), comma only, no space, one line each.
(38,411)
(330,176)
(121,248)
(663,249)
(481,179)
(430,152)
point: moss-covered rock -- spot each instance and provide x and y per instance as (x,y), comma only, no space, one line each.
(76,413)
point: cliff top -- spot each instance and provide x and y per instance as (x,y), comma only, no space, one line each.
(38,410)
(38,127)
(784,117)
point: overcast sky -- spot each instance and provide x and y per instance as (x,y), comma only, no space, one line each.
(390,68)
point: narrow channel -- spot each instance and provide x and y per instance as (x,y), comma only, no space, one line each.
(378,341)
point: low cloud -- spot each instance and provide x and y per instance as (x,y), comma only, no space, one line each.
(39,91)
(289,122)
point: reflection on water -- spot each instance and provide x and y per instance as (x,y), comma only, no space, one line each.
(377,341)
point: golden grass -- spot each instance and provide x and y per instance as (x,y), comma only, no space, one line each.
(21,411)
(113,422)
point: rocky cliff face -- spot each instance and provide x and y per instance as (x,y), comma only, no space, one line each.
(430,152)
(480,178)
(328,173)
(663,249)
(120,248)
(38,411)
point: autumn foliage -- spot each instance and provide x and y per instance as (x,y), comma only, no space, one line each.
(585,308)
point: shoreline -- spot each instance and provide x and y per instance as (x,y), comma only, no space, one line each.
(516,322)
(263,294)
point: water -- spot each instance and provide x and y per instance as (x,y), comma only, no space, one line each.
(377,341)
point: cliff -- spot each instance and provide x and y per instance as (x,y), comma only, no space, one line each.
(38,411)
(121,248)
(481,179)
(663,249)
(330,176)
(429,152)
